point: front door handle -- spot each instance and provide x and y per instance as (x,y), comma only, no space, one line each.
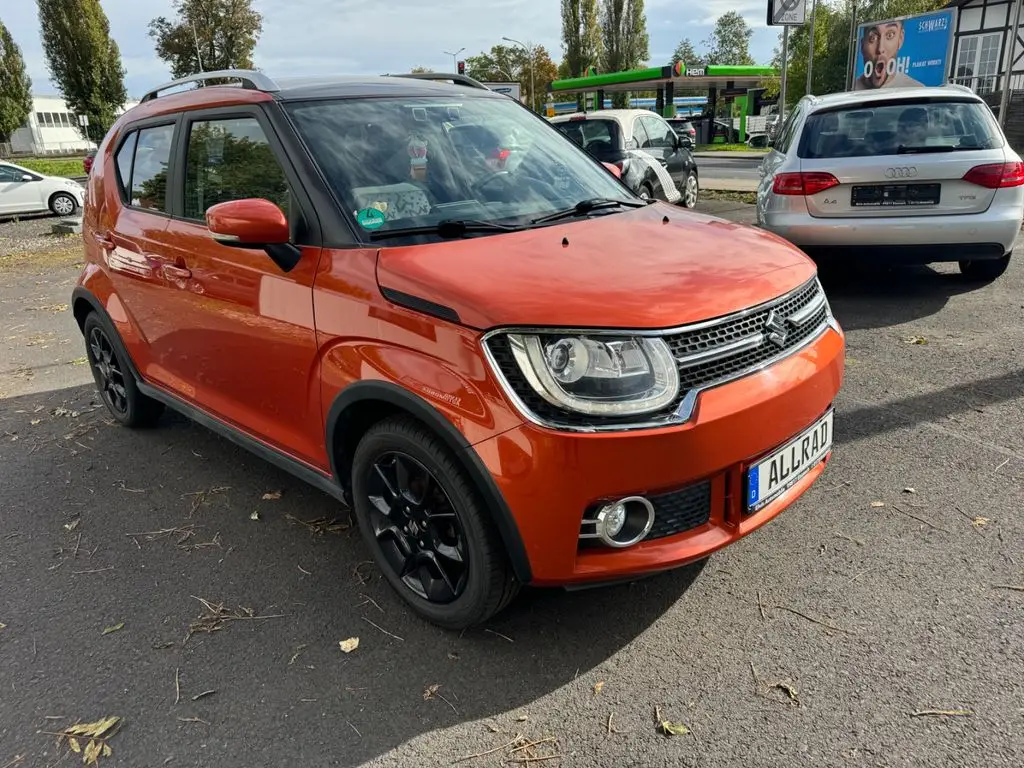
(174,272)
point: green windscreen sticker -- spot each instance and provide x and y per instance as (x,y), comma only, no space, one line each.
(370,218)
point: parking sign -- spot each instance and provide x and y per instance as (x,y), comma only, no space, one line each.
(787,13)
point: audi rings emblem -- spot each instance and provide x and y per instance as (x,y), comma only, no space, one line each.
(901,173)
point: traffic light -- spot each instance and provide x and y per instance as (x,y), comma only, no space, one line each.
(462,67)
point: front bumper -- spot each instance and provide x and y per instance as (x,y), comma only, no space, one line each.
(921,239)
(548,478)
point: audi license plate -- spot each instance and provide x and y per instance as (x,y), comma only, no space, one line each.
(777,473)
(894,195)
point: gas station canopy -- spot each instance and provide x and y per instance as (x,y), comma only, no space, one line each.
(725,77)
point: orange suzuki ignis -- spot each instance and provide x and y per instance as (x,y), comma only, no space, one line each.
(424,300)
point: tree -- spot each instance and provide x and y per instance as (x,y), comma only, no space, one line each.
(686,53)
(511,64)
(83,61)
(420,70)
(729,42)
(15,86)
(624,39)
(581,36)
(207,35)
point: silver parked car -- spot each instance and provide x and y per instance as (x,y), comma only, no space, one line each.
(909,175)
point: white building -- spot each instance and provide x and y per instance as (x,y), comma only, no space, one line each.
(51,128)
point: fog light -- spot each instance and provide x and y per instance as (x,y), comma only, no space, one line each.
(625,522)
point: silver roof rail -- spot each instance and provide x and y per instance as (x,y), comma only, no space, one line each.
(442,77)
(250,78)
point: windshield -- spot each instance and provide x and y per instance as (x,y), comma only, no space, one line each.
(894,127)
(404,163)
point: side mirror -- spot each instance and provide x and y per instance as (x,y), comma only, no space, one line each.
(254,223)
(26,177)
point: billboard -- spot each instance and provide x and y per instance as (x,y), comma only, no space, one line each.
(907,51)
(508,89)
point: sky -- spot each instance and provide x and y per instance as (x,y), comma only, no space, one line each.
(305,37)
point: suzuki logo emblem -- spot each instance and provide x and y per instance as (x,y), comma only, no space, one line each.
(776,329)
(904,172)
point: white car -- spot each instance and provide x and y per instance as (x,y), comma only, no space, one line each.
(25,191)
(911,175)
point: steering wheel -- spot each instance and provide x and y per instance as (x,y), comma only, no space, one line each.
(487,180)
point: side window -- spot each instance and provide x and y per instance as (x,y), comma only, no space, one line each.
(8,174)
(639,134)
(659,132)
(788,131)
(231,159)
(149,171)
(124,163)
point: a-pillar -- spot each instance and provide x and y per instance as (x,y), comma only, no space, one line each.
(659,103)
(670,99)
(599,104)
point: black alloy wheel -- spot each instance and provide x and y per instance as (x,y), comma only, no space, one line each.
(417,528)
(107,371)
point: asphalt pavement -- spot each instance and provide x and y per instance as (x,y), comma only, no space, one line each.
(719,165)
(877,622)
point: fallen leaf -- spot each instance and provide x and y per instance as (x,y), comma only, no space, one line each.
(492,728)
(271,495)
(453,655)
(107,751)
(910,490)
(915,340)
(92,752)
(673,729)
(431,691)
(522,718)
(97,729)
(35,421)
(74,745)
(980,521)
(789,690)
(598,686)
(2,625)
(115,628)
(72,525)
(347,646)
(255,515)
(877,504)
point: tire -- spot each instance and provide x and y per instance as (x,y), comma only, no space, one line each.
(690,190)
(437,586)
(63,204)
(114,380)
(986,270)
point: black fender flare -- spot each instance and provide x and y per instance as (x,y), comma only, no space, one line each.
(404,400)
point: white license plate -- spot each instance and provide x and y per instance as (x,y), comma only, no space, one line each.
(778,472)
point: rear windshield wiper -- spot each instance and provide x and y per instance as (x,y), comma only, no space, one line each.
(903,149)
(584,207)
(448,229)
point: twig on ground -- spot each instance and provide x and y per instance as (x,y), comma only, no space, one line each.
(177,686)
(757,680)
(217,617)
(322,525)
(489,751)
(942,713)
(354,729)
(303,570)
(506,637)
(610,723)
(858,542)
(760,606)
(199,696)
(389,634)
(434,690)
(529,759)
(298,652)
(531,744)
(358,573)
(859,575)
(78,543)
(1014,587)
(17,759)
(369,600)
(94,570)
(1007,461)
(920,519)
(192,720)
(815,621)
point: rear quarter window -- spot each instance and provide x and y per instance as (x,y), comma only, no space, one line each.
(889,128)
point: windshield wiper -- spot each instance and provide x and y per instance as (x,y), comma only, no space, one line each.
(903,149)
(448,229)
(584,207)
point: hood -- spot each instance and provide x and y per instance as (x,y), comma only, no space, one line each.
(654,267)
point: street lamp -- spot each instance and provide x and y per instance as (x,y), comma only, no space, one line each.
(455,64)
(532,57)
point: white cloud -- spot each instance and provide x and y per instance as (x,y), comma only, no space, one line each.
(356,37)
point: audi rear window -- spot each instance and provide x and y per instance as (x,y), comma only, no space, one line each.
(899,127)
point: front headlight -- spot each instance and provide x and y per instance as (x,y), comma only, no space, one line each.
(598,375)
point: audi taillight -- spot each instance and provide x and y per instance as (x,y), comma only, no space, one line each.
(996,175)
(809,183)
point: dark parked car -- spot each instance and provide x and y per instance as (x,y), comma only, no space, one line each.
(625,138)
(684,129)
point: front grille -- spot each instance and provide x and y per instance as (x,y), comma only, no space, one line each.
(703,354)
(680,511)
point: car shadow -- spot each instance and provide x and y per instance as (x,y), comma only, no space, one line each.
(866,296)
(106,526)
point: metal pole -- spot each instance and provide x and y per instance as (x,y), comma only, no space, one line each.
(853,47)
(785,66)
(1011,47)
(810,49)
(533,92)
